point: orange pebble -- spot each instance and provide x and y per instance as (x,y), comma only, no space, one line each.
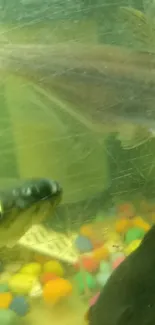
(87,231)
(127,210)
(56,289)
(46,277)
(101,253)
(139,222)
(122,225)
(5,299)
(89,264)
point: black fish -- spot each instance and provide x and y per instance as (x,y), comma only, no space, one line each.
(128,297)
(24,205)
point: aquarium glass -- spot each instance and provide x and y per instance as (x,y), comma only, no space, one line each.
(77,139)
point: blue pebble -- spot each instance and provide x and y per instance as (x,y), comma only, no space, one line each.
(83,244)
(20,306)
(102,278)
(105,267)
(4,287)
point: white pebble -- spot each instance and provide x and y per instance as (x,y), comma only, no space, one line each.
(36,291)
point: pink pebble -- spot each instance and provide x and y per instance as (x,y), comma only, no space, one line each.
(117,262)
(94,299)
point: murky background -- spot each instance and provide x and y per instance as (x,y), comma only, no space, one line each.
(81,114)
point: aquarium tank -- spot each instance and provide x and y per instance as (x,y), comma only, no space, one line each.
(77,166)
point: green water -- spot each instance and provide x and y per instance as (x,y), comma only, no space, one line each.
(43,135)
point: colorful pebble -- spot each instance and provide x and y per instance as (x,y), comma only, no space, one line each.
(83,279)
(100,254)
(117,262)
(133,234)
(4,287)
(4,277)
(46,277)
(9,317)
(102,278)
(122,225)
(5,299)
(21,283)
(126,210)
(87,231)
(105,267)
(20,306)
(139,222)
(32,269)
(89,264)
(55,290)
(94,299)
(115,255)
(54,267)
(36,291)
(83,244)
(132,247)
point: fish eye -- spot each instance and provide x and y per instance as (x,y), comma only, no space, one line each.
(55,187)
(27,191)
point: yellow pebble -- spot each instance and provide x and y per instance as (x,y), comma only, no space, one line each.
(54,267)
(132,246)
(139,222)
(87,231)
(31,268)
(101,253)
(57,289)
(22,283)
(4,277)
(5,300)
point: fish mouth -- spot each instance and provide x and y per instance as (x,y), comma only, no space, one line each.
(24,205)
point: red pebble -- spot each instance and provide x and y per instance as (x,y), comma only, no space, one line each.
(46,277)
(117,262)
(88,263)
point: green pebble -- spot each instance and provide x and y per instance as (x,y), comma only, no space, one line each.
(4,287)
(105,267)
(90,280)
(133,234)
(8,317)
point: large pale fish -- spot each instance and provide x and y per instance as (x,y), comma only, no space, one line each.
(106,88)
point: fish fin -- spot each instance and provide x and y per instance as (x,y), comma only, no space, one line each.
(134,137)
(140,24)
(125,315)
